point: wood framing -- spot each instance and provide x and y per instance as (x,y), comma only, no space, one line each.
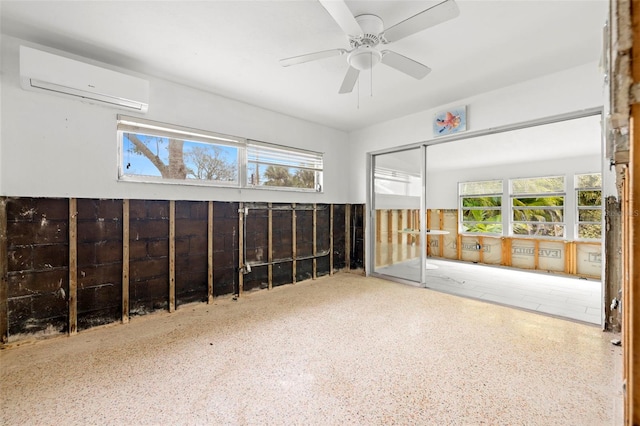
(428,239)
(270,245)
(294,245)
(315,241)
(441,237)
(210,294)
(347,236)
(4,289)
(632,281)
(389,235)
(73,266)
(331,241)
(125,261)
(172,255)
(241,264)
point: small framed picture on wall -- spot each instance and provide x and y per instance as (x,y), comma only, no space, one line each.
(450,121)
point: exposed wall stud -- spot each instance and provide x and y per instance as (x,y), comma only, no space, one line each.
(4,289)
(172,255)
(270,245)
(210,253)
(331,241)
(73,266)
(441,237)
(536,254)
(125,261)
(315,241)
(389,235)
(294,245)
(347,239)
(241,265)
(428,239)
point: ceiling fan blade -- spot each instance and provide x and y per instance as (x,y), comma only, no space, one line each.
(342,15)
(294,60)
(435,15)
(349,80)
(404,64)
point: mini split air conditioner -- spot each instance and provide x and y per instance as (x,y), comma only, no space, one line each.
(44,71)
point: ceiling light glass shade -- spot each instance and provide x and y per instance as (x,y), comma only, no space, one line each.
(364,58)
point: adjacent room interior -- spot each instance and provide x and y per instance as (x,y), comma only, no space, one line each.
(317,212)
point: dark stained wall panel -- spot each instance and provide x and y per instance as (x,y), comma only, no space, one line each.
(191,251)
(37,266)
(99,240)
(225,248)
(149,256)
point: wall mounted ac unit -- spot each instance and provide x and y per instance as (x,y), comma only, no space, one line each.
(58,75)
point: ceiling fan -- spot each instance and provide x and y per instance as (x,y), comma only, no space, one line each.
(366,32)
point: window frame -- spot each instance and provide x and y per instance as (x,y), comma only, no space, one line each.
(290,152)
(600,207)
(484,194)
(537,194)
(135,125)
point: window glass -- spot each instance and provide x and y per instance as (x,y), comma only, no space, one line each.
(481,207)
(589,205)
(155,157)
(537,206)
(272,166)
(158,152)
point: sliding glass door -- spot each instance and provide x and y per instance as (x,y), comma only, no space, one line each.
(397,214)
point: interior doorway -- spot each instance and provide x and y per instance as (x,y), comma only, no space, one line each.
(526,198)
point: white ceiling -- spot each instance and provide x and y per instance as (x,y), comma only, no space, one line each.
(232,48)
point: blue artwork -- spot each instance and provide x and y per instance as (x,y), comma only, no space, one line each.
(450,121)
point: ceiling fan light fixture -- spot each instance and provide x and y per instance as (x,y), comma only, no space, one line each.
(364,58)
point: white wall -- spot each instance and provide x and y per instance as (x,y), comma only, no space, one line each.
(442,186)
(564,92)
(52,146)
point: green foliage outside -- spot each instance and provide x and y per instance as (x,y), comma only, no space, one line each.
(482,215)
(282,176)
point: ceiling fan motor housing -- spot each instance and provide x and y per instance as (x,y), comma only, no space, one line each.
(364,56)
(371,26)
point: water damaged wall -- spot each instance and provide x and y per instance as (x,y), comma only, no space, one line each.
(72,264)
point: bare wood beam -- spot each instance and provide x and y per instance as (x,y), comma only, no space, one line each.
(73,266)
(347,239)
(441,237)
(331,241)
(389,236)
(270,245)
(125,261)
(4,270)
(315,242)
(241,249)
(172,255)
(294,244)
(210,253)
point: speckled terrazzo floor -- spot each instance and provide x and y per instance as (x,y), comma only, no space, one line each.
(337,350)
